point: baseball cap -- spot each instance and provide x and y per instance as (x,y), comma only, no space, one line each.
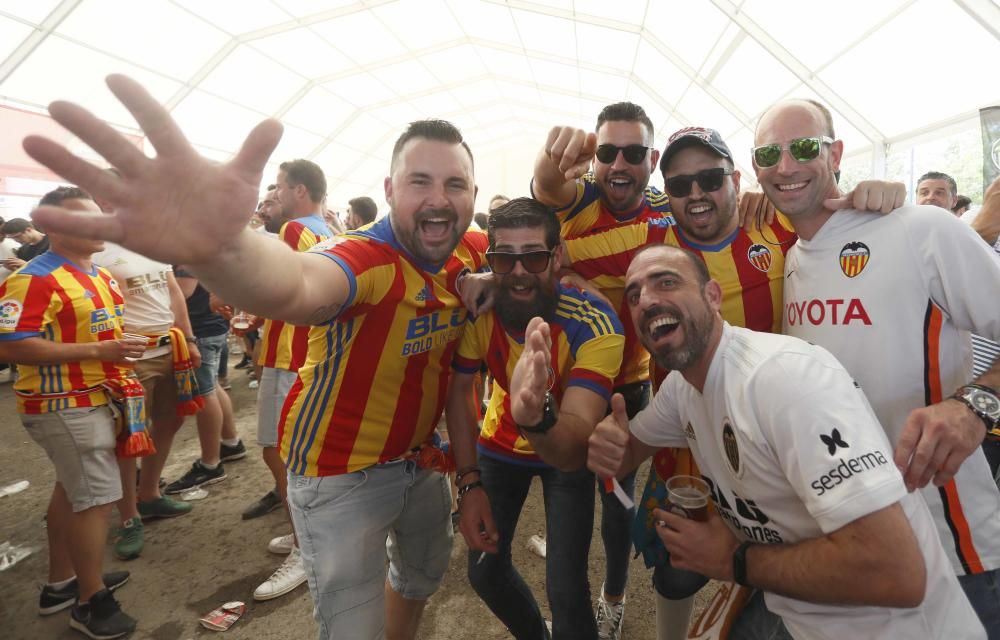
(690,136)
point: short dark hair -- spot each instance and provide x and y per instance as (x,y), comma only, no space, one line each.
(14,226)
(624,112)
(700,269)
(306,173)
(364,207)
(481,220)
(439,130)
(937,175)
(962,201)
(522,213)
(56,196)
(500,196)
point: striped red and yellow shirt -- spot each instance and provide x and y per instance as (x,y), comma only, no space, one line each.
(587,343)
(375,378)
(748,266)
(283,345)
(54,299)
(587,215)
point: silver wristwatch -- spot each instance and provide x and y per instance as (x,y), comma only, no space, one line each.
(984,403)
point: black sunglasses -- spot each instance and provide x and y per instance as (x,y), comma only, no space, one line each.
(533,261)
(634,153)
(708,180)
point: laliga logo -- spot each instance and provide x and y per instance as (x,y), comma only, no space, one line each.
(10,313)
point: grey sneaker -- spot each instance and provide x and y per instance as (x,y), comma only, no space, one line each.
(609,618)
(265,505)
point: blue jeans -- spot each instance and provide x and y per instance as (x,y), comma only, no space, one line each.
(207,373)
(569,522)
(346,524)
(757,622)
(616,520)
(983,591)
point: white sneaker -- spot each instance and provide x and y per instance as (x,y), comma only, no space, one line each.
(609,618)
(289,575)
(282,545)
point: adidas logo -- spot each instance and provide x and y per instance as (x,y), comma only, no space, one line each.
(689,432)
(424,294)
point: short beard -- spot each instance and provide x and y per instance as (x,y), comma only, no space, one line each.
(697,332)
(417,250)
(515,314)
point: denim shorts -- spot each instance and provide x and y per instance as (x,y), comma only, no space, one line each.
(346,524)
(274,387)
(207,373)
(80,443)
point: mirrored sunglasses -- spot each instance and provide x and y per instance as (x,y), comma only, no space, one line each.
(802,149)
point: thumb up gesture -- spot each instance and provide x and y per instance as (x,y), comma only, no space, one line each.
(607,444)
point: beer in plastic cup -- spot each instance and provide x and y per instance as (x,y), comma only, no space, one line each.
(241,321)
(688,496)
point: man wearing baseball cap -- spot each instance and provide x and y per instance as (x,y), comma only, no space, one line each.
(703,184)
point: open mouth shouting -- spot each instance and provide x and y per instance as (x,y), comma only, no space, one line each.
(700,213)
(659,324)
(436,226)
(520,288)
(620,186)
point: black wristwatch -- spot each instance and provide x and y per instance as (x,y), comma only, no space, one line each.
(548,417)
(740,564)
(983,402)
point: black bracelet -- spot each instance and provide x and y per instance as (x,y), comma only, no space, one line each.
(464,471)
(466,488)
(740,564)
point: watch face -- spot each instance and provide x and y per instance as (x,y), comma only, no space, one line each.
(985,402)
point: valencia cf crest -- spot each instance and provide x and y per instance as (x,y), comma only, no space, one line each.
(853,258)
(731,448)
(760,257)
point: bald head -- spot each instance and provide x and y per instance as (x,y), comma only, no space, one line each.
(799,184)
(820,116)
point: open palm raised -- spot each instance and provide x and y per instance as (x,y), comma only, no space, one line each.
(178,207)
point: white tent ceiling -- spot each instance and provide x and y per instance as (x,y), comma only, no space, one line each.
(345,76)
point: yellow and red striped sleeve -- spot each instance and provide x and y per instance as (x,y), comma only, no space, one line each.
(374,382)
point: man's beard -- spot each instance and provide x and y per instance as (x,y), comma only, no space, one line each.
(516,314)
(432,255)
(697,331)
(631,199)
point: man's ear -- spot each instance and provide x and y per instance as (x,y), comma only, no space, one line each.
(713,293)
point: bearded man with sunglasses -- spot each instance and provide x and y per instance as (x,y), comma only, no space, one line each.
(890,297)
(615,193)
(585,343)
